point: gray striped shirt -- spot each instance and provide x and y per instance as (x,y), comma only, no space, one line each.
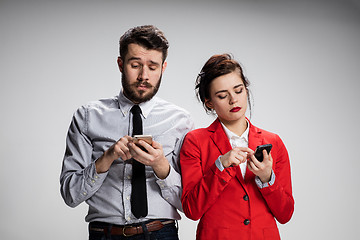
(98,125)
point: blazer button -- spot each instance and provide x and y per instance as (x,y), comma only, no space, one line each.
(246,197)
(247,222)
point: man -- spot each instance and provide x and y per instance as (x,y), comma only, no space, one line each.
(104,167)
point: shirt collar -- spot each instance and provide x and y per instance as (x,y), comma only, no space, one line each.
(232,135)
(125,105)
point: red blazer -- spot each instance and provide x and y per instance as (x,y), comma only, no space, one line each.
(229,206)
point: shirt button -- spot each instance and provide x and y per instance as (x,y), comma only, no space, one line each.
(246,197)
(247,222)
(96,177)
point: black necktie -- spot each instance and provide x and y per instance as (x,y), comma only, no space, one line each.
(138,195)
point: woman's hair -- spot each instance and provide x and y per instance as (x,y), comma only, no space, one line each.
(216,66)
(147,36)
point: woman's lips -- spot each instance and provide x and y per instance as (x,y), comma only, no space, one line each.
(235,109)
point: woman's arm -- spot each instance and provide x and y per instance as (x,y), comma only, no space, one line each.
(200,188)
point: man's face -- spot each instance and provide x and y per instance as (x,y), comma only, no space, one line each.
(141,73)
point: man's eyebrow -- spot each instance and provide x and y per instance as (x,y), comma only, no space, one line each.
(154,63)
(133,58)
(137,59)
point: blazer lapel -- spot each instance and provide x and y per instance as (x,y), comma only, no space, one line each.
(222,142)
(219,137)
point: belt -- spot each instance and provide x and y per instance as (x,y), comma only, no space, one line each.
(129,231)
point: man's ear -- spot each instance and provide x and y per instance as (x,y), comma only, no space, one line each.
(164,67)
(120,64)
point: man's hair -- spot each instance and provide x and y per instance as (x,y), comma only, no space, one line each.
(147,36)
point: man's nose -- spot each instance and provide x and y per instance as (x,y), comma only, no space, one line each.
(144,74)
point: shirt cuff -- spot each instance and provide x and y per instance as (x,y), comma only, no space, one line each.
(261,185)
(219,164)
(93,178)
(173,179)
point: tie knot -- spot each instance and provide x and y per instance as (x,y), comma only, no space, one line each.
(136,109)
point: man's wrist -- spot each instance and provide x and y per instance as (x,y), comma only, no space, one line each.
(163,170)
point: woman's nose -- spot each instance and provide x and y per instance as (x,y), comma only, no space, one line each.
(232,99)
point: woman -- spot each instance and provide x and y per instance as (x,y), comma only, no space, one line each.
(234,195)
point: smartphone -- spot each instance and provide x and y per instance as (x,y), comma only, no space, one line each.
(259,151)
(146,138)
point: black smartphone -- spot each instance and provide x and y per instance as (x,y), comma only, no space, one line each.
(259,151)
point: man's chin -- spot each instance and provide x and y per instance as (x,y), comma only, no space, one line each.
(140,96)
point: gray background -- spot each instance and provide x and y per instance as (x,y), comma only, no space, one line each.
(302,58)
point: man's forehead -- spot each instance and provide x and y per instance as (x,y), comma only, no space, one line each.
(139,53)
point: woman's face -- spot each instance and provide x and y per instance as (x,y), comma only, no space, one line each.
(228,97)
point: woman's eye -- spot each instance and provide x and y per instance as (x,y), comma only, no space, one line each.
(222,96)
(239,91)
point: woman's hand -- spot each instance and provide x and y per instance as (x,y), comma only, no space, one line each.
(236,156)
(261,169)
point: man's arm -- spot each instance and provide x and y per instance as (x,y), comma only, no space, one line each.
(79,179)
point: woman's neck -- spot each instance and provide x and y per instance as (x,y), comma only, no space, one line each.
(238,127)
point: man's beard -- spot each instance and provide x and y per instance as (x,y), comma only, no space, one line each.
(139,96)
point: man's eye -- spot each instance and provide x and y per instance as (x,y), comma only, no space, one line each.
(135,66)
(152,68)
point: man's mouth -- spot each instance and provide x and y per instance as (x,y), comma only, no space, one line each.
(143,86)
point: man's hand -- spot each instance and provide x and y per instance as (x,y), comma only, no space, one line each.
(118,149)
(153,157)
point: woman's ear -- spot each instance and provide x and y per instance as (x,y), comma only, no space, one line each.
(208,104)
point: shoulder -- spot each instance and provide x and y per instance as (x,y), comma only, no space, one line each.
(266,135)
(173,113)
(98,107)
(163,105)
(198,132)
(101,104)
(261,131)
(204,133)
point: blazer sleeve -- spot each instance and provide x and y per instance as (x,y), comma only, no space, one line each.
(201,187)
(279,195)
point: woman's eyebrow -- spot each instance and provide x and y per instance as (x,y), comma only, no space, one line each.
(240,85)
(221,91)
